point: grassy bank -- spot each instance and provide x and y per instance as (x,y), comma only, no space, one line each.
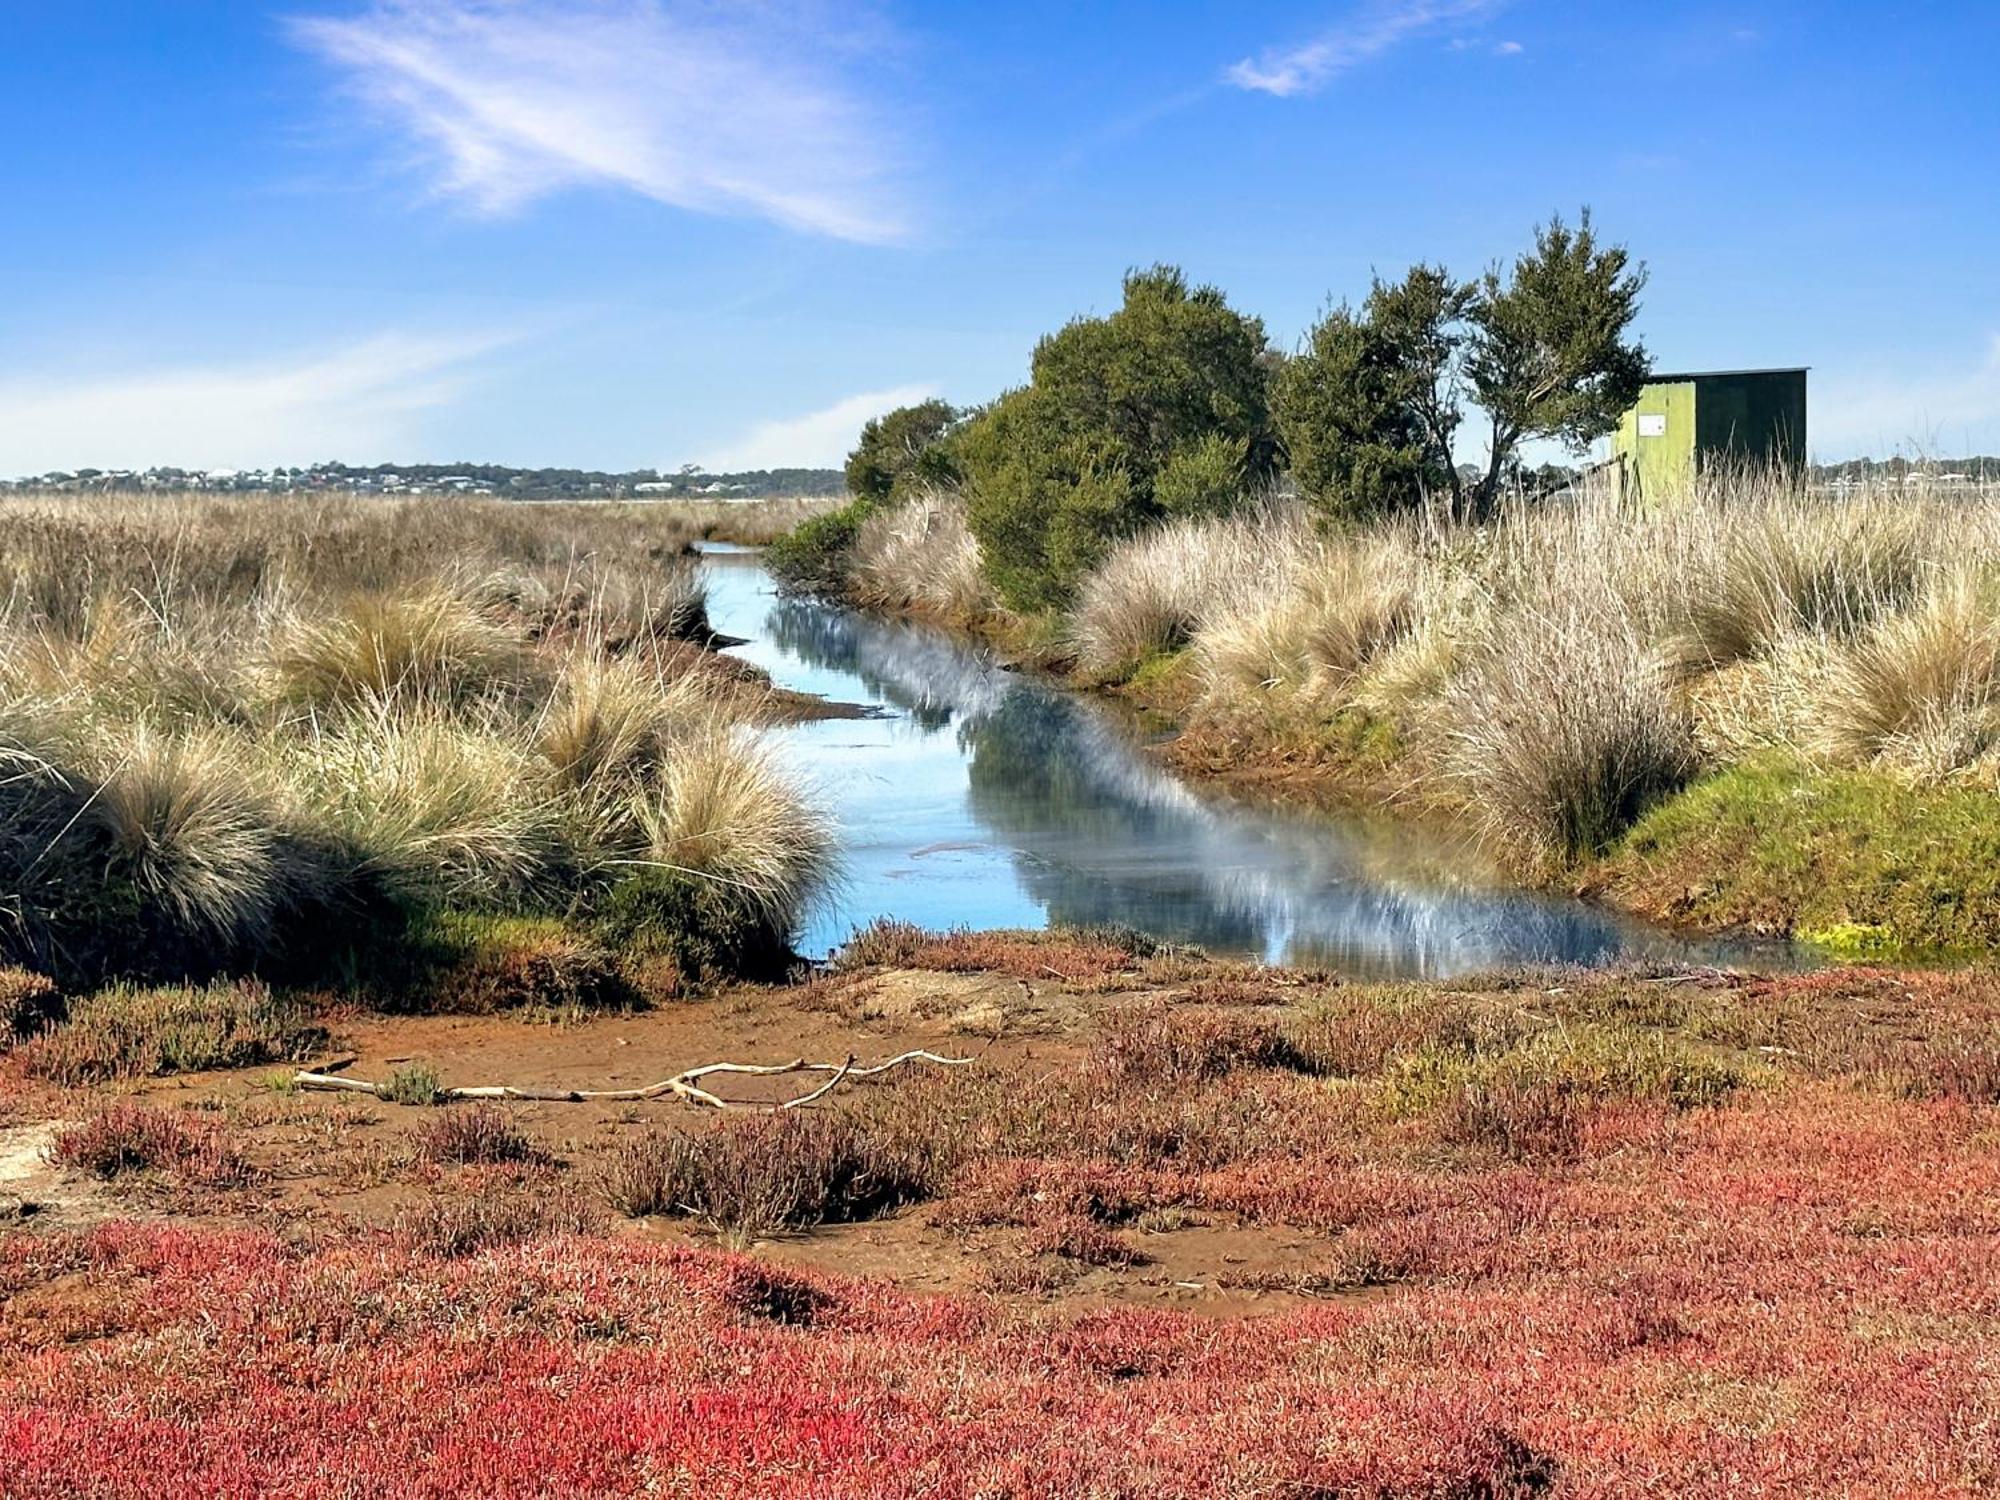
(302,739)
(1580,683)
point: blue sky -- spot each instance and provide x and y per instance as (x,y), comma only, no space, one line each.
(629,233)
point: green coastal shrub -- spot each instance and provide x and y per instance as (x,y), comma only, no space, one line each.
(1125,419)
(903,452)
(814,554)
(707,930)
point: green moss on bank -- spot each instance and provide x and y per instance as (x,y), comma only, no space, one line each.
(1860,862)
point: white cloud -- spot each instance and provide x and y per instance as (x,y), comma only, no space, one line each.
(1366,34)
(1509,49)
(820,439)
(361,402)
(1947,414)
(727,108)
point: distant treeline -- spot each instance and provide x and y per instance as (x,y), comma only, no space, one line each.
(495,479)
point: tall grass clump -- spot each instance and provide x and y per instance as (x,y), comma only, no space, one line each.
(920,557)
(1331,609)
(1564,728)
(433,809)
(1746,562)
(1920,690)
(610,721)
(1155,591)
(183,829)
(431,642)
(732,857)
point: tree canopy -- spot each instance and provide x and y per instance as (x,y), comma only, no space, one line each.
(1161,406)
(902,450)
(1370,409)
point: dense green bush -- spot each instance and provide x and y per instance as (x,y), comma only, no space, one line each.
(903,451)
(1344,408)
(1124,419)
(813,555)
(708,929)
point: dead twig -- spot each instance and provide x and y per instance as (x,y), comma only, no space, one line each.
(685,1085)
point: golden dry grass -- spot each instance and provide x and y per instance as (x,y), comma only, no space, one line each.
(224,718)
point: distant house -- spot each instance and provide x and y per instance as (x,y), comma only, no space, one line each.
(1686,425)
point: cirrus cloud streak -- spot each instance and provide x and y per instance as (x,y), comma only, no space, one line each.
(740,109)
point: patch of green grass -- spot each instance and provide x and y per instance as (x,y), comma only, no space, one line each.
(1587,1062)
(1164,674)
(1854,942)
(413,1083)
(1363,739)
(1872,866)
(503,962)
(707,929)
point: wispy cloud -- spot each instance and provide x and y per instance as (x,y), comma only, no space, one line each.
(1949,412)
(820,439)
(362,402)
(729,108)
(1366,34)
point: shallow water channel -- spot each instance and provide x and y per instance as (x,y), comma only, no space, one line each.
(972,796)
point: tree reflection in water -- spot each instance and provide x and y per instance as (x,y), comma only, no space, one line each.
(1097,832)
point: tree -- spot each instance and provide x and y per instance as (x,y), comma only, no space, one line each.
(1420,322)
(1123,418)
(1548,355)
(1370,409)
(900,449)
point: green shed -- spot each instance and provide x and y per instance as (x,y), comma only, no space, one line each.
(1684,424)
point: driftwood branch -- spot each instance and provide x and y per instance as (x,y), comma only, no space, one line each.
(684,1085)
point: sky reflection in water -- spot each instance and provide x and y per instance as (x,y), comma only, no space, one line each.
(979,798)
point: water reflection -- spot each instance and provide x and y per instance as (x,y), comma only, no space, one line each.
(980,798)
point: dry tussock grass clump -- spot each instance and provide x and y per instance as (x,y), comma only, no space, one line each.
(183,825)
(1156,591)
(1562,666)
(726,811)
(610,723)
(1920,689)
(231,727)
(435,809)
(1564,728)
(1338,606)
(920,557)
(1752,563)
(430,643)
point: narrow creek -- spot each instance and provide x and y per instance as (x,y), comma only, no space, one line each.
(972,796)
